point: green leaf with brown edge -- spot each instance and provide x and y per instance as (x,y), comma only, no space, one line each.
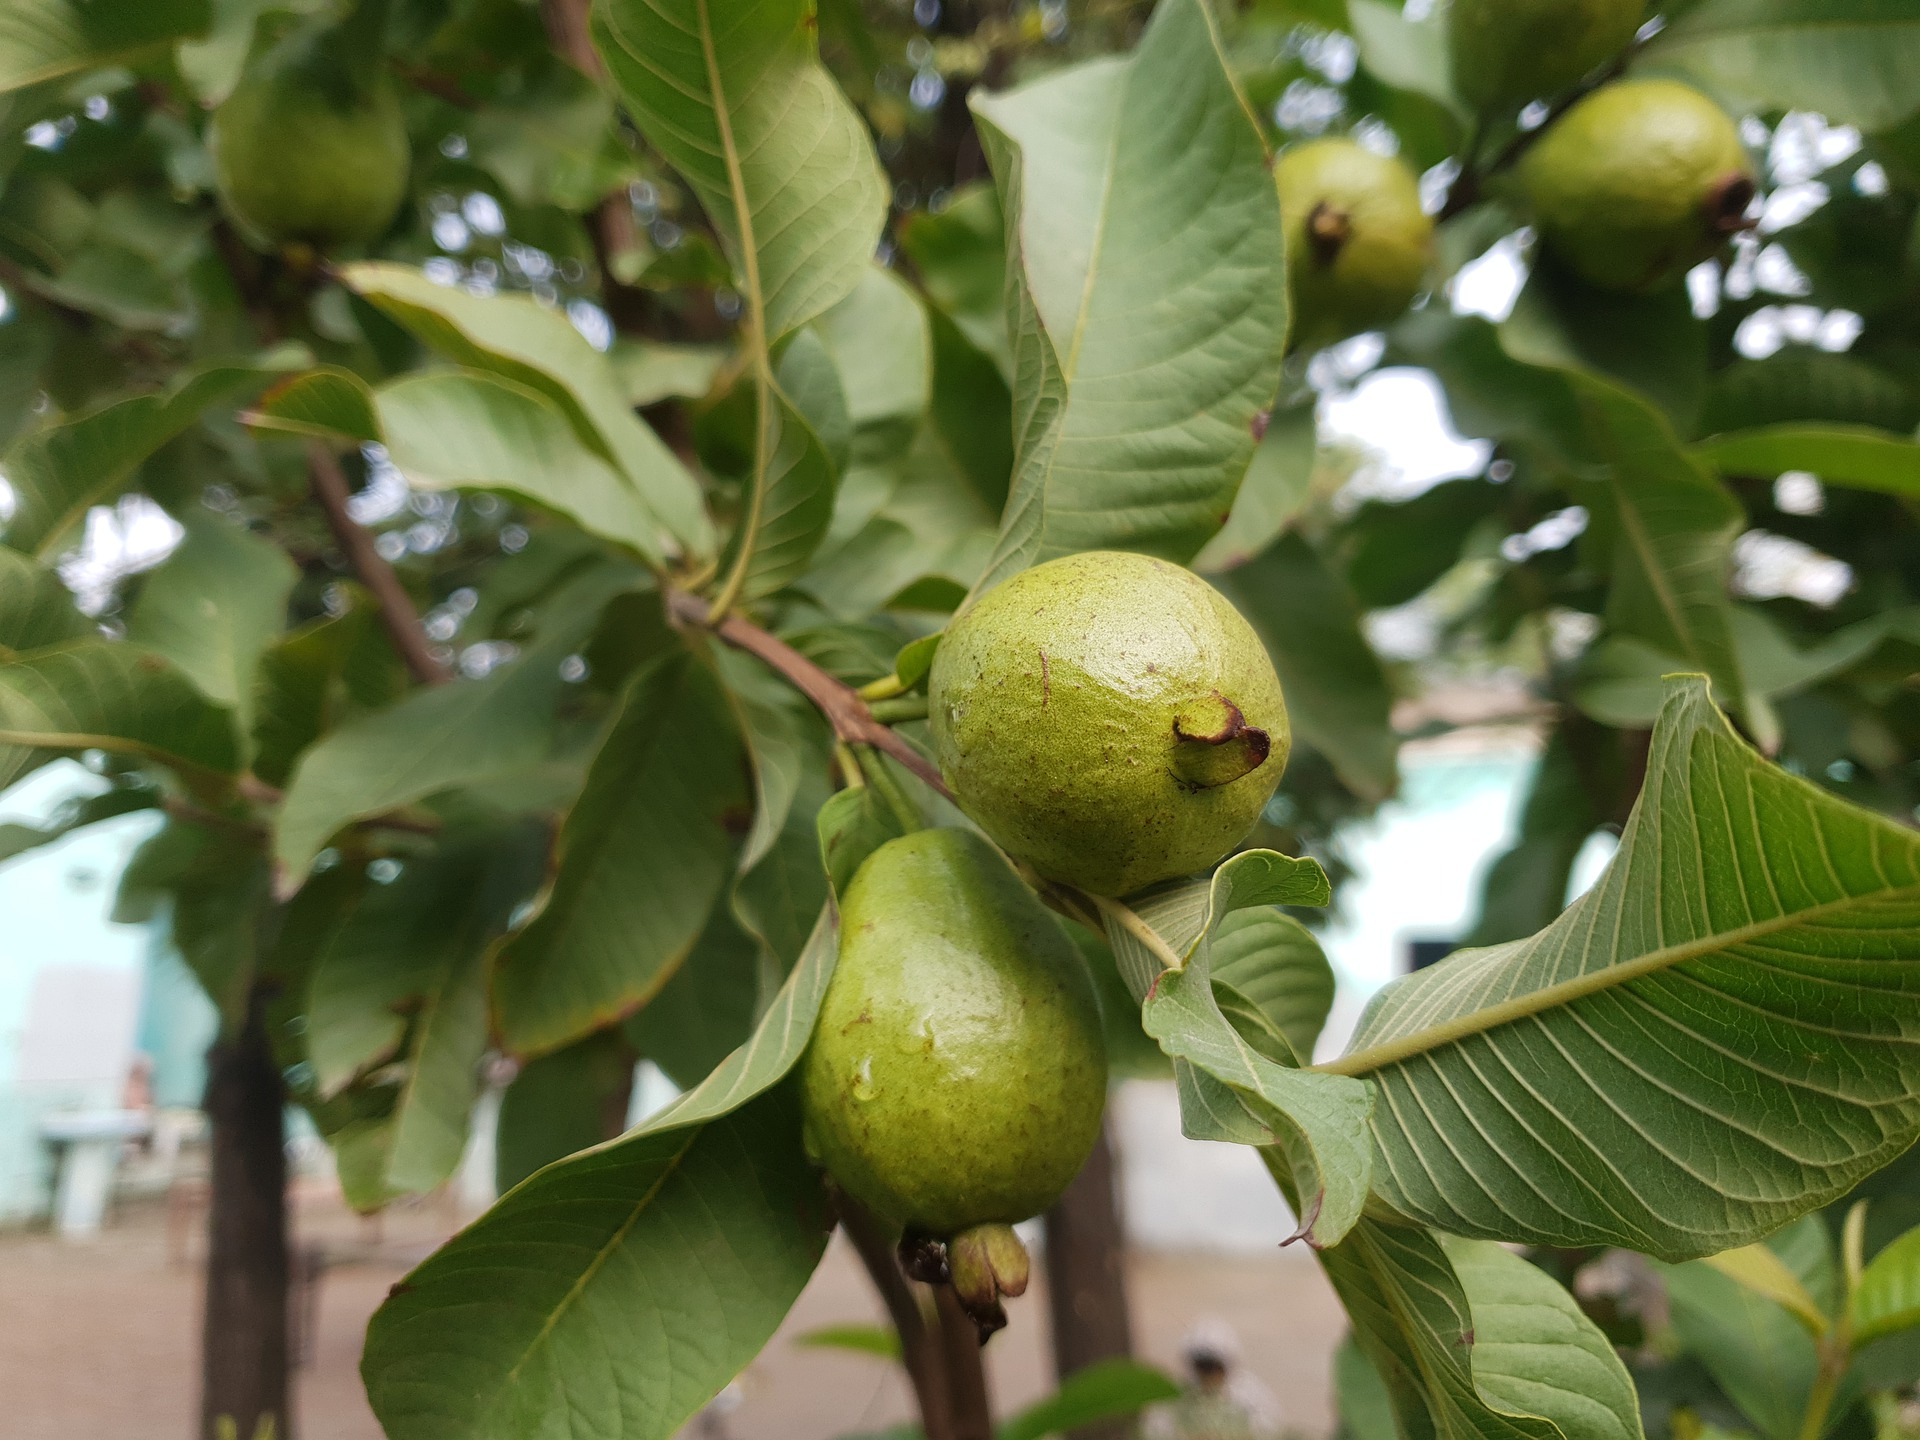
(701,1227)
(1143,352)
(326,402)
(214,607)
(538,348)
(1721,1011)
(108,695)
(1277,487)
(708,1008)
(45,39)
(1338,697)
(60,471)
(640,860)
(1854,455)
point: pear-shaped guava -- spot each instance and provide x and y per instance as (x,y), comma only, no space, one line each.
(1637,182)
(1505,52)
(1358,243)
(311,145)
(957,1074)
(1109,719)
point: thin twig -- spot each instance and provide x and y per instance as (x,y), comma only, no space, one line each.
(920,1349)
(852,722)
(397,613)
(966,1375)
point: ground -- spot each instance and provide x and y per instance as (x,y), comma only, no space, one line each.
(99,1340)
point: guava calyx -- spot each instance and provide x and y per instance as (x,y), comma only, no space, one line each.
(1214,744)
(1328,229)
(1727,202)
(986,1264)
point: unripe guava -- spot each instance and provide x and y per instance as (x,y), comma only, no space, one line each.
(1505,52)
(957,1074)
(311,145)
(1637,182)
(1109,719)
(1358,243)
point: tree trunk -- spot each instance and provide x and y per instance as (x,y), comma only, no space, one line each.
(1086,1278)
(244,1362)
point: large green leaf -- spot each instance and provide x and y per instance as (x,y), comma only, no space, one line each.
(1406,54)
(1232,1088)
(642,857)
(108,695)
(1853,60)
(1704,1046)
(1473,1343)
(404,979)
(1338,697)
(620,1289)
(538,348)
(42,39)
(1148,304)
(1273,962)
(733,96)
(561,1103)
(464,733)
(1762,1357)
(1855,455)
(35,608)
(57,473)
(464,429)
(790,504)
(214,607)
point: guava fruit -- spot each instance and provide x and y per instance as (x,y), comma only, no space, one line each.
(1637,182)
(956,1077)
(1358,243)
(311,145)
(1505,52)
(1109,719)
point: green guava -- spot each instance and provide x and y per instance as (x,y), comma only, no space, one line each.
(957,1074)
(1637,182)
(1109,719)
(1358,243)
(311,145)
(1506,52)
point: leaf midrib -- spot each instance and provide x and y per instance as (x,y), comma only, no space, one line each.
(1579,987)
(614,1241)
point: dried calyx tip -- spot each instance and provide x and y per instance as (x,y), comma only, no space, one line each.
(1214,745)
(1328,230)
(987,1263)
(1727,204)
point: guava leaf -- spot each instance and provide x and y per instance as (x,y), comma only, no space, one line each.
(108,695)
(44,39)
(538,348)
(1721,1011)
(623,1287)
(36,610)
(214,607)
(1273,961)
(1887,1299)
(1854,455)
(641,858)
(62,470)
(1148,297)
(1229,1089)
(1853,60)
(1338,698)
(1472,1342)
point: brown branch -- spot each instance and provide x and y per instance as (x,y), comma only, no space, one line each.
(402,621)
(966,1375)
(848,714)
(920,1348)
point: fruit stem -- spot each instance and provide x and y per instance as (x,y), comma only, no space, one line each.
(844,710)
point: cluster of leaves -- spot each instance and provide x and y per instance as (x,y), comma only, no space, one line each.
(610,833)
